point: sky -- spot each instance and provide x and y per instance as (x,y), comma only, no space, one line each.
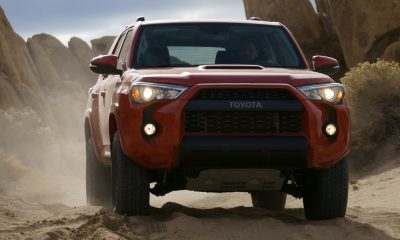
(90,19)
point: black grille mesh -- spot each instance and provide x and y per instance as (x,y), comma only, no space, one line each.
(243,122)
(240,94)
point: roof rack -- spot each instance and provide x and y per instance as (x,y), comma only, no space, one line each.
(255,19)
(140,19)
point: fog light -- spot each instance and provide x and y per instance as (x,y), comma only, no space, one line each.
(330,129)
(149,129)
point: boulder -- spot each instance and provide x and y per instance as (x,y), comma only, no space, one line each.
(325,17)
(299,16)
(65,75)
(365,28)
(83,53)
(313,31)
(18,74)
(392,52)
(102,45)
(47,74)
(67,66)
(8,94)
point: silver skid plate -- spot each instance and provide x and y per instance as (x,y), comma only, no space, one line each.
(236,180)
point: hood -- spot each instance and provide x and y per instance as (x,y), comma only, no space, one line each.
(192,76)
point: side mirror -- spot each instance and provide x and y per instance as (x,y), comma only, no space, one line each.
(325,65)
(105,64)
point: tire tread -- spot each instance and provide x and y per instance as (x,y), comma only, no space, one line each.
(132,193)
(326,192)
(98,179)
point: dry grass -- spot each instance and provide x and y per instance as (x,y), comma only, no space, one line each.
(373,96)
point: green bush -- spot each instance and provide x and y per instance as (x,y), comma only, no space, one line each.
(373,96)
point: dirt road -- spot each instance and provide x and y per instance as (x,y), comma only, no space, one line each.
(374,213)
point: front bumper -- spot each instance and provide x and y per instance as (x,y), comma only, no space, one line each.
(213,152)
(174,147)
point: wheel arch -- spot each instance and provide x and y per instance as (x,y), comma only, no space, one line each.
(88,131)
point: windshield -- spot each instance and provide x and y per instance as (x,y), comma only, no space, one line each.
(194,44)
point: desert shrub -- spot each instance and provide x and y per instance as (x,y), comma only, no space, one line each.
(373,96)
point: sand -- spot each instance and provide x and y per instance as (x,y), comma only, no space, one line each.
(373,213)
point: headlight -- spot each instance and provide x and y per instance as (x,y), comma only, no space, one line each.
(331,92)
(147,92)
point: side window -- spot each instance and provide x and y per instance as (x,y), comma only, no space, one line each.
(118,46)
(124,49)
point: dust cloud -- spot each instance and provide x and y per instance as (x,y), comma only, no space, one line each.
(42,162)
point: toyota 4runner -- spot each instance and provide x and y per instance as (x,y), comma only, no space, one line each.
(216,106)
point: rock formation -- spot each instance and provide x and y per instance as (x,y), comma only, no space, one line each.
(68,67)
(365,28)
(353,31)
(81,50)
(300,18)
(102,45)
(392,52)
(83,53)
(46,76)
(19,85)
(8,93)
(313,32)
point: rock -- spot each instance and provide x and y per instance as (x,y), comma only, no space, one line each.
(48,75)
(83,53)
(102,45)
(18,76)
(313,31)
(44,64)
(8,94)
(67,66)
(392,52)
(323,12)
(65,75)
(300,18)
(365,28)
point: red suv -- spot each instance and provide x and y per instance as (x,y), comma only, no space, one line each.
(216,106)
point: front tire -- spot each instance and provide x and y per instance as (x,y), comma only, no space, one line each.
(274,201)
(326,192)
(98,179)
(130,183)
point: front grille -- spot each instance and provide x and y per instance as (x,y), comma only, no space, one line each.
(243,93)
(243,122)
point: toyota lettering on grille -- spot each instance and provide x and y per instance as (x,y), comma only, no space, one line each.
(245,105)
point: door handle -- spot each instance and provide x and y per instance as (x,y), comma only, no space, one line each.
(103,93)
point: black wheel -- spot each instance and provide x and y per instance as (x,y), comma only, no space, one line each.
(274,201)
(98,179)
(130,183)
(326,191)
